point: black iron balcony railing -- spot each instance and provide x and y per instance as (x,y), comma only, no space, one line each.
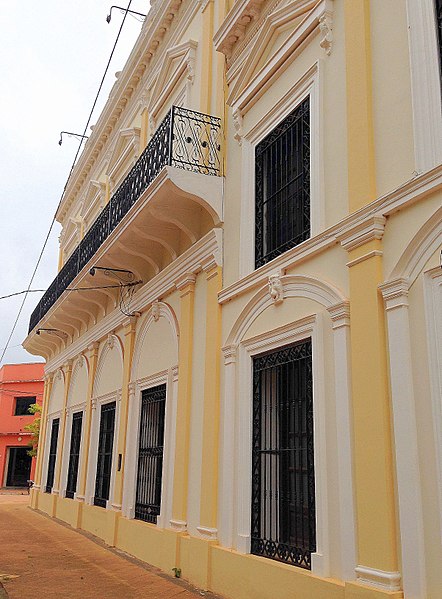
(185,139)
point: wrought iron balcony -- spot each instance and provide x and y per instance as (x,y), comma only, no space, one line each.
(185,139)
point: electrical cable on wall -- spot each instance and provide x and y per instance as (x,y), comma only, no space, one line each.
(64,189)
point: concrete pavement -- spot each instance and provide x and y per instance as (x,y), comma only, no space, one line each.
(43,559)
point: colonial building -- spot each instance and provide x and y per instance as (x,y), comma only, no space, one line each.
(21,385)
(249,390)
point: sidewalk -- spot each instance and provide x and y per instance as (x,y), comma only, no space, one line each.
(52,561)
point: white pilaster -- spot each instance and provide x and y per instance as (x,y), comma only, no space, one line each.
(226,507)
(395,294)
(340,315)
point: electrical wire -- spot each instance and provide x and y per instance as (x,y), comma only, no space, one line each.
(65,186)
(73,289)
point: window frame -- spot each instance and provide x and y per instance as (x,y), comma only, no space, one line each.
(270,441)
(76,415)
(17,399)
(170,379)
(310,326)
(106,406)
(265,203)
(162,388)
(309,85)
(51,465)
(97,402)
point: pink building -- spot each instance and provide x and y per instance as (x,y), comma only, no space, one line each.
(20,386)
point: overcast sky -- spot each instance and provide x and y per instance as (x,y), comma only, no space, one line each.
(53,56)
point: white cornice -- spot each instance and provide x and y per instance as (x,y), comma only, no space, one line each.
(362,232)
(160,286)
(146,47)
(402,197)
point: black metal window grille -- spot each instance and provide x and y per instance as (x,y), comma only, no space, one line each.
(283,525)
(282,186)
(22,405)
(104,459)
(438,7)
(74,454)
(185,139)
(150,454)
(52,455)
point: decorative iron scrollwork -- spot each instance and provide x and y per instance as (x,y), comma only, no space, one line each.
(185,139)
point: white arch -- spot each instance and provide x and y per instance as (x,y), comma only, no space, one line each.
(108,346)
(423,245)
(80,362)
(157,310)
(303,286)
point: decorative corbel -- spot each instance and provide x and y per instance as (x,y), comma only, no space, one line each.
(276,289)
(326,29)
(237,123)
(110,341)
(156,312)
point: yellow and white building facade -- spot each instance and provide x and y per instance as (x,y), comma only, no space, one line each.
(246,383)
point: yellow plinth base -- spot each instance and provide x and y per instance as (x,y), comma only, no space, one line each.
(202,562)
(47,503)
(148,543)
(69,511)
(101,523)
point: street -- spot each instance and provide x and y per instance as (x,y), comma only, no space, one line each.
(42,559)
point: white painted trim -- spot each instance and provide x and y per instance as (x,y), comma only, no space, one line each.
(420,249)
(433,314)
(104,350)
(308,327)
(379,579)
(170,379)
(98,402)
(425,84)
(411,192)
(340,315)
(324,293)
(70,411)
(310,85)
(44,470)
(395,294)
(161,310)
(250,86)
(166,83)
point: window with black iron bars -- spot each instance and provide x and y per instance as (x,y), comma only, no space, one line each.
(282,186)
(104,458)
(52,455)
(150,454)
(283,524)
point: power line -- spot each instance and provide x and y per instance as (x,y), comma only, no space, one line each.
(74,289)
(65,186)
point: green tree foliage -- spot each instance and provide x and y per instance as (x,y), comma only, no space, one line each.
(34,429)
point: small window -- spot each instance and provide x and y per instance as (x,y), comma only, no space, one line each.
(282,180)
(22,405)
